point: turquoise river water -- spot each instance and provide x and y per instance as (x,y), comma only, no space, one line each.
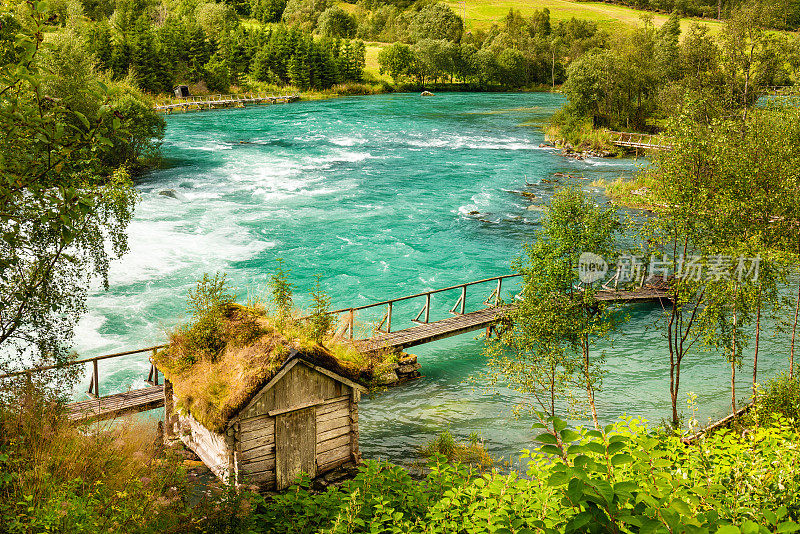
(377,194)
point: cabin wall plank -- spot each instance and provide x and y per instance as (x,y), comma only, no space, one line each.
(336,455)
(300,384)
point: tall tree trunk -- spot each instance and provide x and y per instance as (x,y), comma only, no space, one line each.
(733,386)
(589,388)
(733,349)
(758,331)
(794,331)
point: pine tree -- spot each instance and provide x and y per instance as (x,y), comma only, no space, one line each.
(144,57)
(198,51)
(99,42)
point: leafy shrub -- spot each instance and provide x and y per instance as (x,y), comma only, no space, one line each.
(780,396)
(624,479)
(321,320)
(205,333)
(56,476)
(281,290)
(472,453)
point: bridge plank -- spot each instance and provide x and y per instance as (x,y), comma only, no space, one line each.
(468,322)
(137,400)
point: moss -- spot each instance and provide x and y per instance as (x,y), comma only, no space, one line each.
(216,370)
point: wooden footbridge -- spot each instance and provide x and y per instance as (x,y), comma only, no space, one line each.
(639,141)
(426,326)
(200,103)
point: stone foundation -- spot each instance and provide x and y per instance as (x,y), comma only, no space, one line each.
(404,370)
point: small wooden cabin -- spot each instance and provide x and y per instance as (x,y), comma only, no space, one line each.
(304,420)
(181,91)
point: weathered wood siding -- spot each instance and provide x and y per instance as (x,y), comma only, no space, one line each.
(211,447)
(334,427)
(255,449)
(295,446)
(306,421)
(301,386)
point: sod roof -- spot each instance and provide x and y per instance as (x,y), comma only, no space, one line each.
(213,389)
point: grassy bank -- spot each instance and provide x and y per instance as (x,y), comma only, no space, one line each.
(581,137)
(481,14)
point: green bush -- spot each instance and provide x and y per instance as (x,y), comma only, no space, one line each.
(780,396)
(56,476)
(625,479)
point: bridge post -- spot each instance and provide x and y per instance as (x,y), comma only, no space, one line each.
(351,320)
(94,385)
(463,299)
(427,307)
(389,318)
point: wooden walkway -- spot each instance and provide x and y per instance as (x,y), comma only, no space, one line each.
(111,406)
(381,338)
(477,320)
(199,103)
(639,141)
(427,333)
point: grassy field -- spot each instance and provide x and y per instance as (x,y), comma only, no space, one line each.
(481,14)
(371,67)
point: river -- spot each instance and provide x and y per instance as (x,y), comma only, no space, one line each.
(378,195)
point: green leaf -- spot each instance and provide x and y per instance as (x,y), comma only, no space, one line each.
(558,424)
(749,527)
(558,479)
(621,459)
(728,529)
(788,526)
(550,449)
(615,447)
(569,436)
(681,507)
(546,437)
(82,118)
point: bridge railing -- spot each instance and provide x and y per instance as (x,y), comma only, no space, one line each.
(218,98)
(94,382)
(347,316)
(346,327)
(641,140)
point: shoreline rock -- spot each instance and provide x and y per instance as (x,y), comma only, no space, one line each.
(407,368)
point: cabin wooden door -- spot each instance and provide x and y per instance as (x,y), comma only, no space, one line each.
(295,445)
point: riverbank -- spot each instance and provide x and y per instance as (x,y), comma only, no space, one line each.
(367,87)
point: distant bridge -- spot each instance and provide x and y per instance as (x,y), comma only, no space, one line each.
(639,141)
(379,336)
(199,103)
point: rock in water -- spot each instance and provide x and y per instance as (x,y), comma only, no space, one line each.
(172,194)
(426,93)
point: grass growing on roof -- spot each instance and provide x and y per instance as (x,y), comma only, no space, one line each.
(228,351)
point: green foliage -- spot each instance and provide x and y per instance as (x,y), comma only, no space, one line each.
(396,60)
(336,22)
(779,397)
(702,211)
(281,291)
(56,476)
(437,21)
(445,445)
(268,10)
(304,14)
(623,479)
(205,334)
(65,198)
(543,347)
(321,320)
